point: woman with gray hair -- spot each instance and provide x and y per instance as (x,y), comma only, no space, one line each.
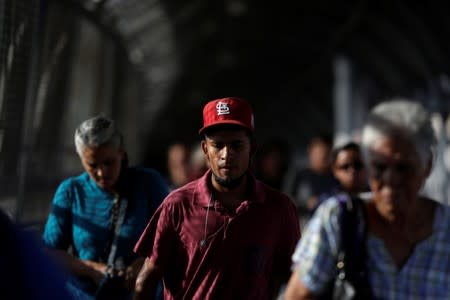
(396,245)
(101,213)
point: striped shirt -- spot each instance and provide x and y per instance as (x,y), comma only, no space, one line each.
(425,275)
(81,214)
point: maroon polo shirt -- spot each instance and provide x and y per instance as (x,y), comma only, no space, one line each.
(207,253)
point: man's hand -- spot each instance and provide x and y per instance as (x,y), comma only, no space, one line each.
(132,272)
(147,281)
(82,268)
(96,270)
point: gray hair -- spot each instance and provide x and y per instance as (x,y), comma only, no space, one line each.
(401,117)
(95,132)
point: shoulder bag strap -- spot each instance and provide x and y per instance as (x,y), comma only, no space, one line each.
(117,219)
(344,225)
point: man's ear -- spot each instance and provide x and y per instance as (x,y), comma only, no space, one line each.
(204,147)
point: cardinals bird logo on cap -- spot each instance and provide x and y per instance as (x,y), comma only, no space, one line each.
(222,108)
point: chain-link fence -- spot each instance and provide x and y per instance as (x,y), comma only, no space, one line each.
(60,63)
(19,51)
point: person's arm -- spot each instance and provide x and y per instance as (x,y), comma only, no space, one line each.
(314,260)
(83,268)
(57,235)
(132,272)
(147,281)
(296,290)
(157,245)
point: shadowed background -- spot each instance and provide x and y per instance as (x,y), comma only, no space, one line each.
(306,67)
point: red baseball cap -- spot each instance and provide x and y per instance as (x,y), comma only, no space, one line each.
(228,111)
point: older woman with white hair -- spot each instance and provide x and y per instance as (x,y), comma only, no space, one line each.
(100,214)
(396,245)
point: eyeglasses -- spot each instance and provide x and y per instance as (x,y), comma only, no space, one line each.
(357,166)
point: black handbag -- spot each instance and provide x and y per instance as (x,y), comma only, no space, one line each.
(350,282)
(111,287)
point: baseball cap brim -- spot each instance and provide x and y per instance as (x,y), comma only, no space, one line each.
(223,122)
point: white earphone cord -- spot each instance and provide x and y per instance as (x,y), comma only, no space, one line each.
(203,241)
(205,237)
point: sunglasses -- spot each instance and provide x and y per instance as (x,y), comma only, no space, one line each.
(357,166)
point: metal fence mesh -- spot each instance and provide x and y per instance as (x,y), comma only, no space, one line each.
(18,45)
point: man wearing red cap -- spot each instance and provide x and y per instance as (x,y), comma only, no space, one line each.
(225,235)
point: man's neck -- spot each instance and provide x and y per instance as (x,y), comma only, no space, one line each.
(230,198)
(320,169)
(415,223)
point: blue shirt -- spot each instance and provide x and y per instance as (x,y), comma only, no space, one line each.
(81,214)
(425,275)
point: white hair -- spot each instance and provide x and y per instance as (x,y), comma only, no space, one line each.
(400,117)
(95,132)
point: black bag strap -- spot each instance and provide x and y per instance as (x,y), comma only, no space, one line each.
(351,263)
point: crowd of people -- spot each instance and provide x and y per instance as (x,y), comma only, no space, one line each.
(224,225)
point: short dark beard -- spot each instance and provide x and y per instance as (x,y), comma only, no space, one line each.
(229,183)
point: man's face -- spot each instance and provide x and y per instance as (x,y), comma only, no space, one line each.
(319,155)
(103,165)
(349,170)
(228,153)
(395,175)
(178,164)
